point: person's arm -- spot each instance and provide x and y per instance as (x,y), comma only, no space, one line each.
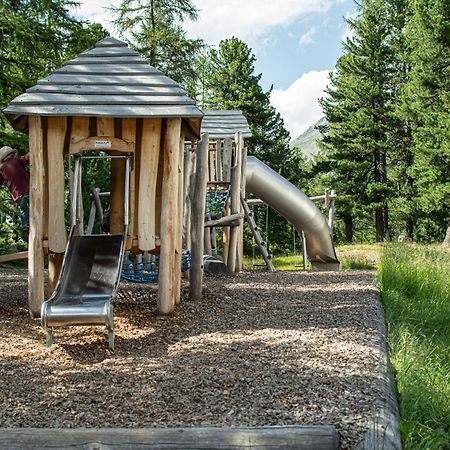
(25,160)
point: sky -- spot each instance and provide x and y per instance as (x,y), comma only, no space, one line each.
(296,44)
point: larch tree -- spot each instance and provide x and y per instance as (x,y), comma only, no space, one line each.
(155,29)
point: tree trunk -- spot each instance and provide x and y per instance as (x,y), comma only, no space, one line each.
(379,224)
(348,221)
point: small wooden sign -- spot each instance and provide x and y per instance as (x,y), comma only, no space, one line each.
(103,144)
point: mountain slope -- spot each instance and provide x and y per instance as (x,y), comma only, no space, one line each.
(307,141)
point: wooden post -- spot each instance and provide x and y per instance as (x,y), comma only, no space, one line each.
(167,288)
(188,176)
(179,217)
(331,211)
(56,132)
(55,261)
(219,160)
(226,234)
(150,149)
(37,189)
(235,197)
(240,250)
(198,218)
(226,159)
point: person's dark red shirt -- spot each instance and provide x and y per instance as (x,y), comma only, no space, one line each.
(16,178)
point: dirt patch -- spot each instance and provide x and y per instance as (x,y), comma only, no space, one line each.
(260,349)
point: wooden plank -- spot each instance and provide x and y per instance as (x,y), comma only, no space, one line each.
(80,129)
(129,135)
(167,289)
(197,219)
(150,150)
(103,143)
(53,98)
(115,89)
(129,68)
(137,80)
(14,256)
(226,158)
(298,437)
(56,131)
(235,202)
(105,127)
(37,188)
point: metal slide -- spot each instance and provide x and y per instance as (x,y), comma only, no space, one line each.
(90,275)
(297,208)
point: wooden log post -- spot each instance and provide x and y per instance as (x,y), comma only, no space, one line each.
(128,134)
(57,238)
(219,160)
(240,250)
(189,158)
(37,188)
(150,150)
(198,218)
(167,288)
(179,217)
(235,203)
(227,154)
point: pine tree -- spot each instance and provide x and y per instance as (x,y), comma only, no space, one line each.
(358,113)
(427,104)
(230,82)
(155,30)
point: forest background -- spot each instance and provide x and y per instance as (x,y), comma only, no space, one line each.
(385,146)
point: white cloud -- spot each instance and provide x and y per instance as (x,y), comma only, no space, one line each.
(96,11)
(298,104)
(307,38)
(249,19)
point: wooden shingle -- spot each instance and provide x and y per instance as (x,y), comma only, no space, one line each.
(221,124)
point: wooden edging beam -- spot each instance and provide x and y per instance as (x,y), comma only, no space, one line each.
(14,257)
(300,437)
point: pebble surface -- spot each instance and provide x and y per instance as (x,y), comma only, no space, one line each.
(260,349)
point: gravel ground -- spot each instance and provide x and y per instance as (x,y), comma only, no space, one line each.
(260,349)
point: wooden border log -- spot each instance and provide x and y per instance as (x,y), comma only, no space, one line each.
(235,202)
(56,132)
(167,289)
(150,150)
(198,218)
(35,249)
(299,437)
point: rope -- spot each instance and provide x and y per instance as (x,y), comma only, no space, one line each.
(148,271)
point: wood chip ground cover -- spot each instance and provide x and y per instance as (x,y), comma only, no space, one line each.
(260,349)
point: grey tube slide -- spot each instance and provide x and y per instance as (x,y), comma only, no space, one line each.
(297,208)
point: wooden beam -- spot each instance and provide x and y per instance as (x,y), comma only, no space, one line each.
(36,275)
(179,217)
(235,202)
(129,134)
(197,220)
(299,437)
(56,132)
(103,143)
(226,221)
(167,288)
(150,150)
(14,257)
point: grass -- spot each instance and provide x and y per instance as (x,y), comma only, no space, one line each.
(415,289)
(359,257)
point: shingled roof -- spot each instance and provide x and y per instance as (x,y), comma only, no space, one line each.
(224,124)
(109,80)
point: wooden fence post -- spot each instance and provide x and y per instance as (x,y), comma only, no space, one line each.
(198,219)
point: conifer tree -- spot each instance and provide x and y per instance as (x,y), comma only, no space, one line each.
(358,112)
(154,28)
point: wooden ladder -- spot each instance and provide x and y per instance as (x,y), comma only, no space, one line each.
(257,235)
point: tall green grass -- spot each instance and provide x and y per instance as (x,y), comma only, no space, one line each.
(415,289)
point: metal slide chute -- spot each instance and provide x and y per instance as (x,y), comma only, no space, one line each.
(90,273)
(297,208)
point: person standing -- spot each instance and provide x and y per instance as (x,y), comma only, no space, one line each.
(14,175)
